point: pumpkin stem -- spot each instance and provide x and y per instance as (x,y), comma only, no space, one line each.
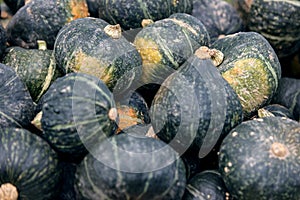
(114,31)
(8,192)
(146,22)
(215,55)
(37,121)
(42,45)
(113,114)
(264,113)
(279,150)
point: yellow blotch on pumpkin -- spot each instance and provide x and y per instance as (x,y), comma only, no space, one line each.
(148,50)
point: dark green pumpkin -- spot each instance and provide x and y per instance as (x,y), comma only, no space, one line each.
(260,159)
(78,111)
(28,165)
(85,46)
(195,105)
(16,105)
(131,167)
(206,185)
(251,67)
(219,17)
(129,14)
(33,67)
(275,110)
(41,20)
(277,21)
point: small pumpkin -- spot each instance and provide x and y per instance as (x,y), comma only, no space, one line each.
(130,14)
(29,166)
(41,20)
(127,166)
(251,67)
(78,111)
(259,159)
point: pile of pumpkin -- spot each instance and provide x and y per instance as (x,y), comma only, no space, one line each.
(185,99)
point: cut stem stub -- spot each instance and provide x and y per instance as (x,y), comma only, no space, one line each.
(8,192)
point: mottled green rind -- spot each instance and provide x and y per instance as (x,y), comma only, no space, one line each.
(184,104)
(129,14)
(118,59)
(31,66)
(29,163)
(249,169)
(96,180)
(218,16)
(206,185)
(75,114)
(16,104)
(277,21)
(279,111)
(244,45)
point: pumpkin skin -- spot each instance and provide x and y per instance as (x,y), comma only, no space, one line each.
(78,111)
(42,20)
(206,185)
(28,163)
(251,67)
(275,110)
(83,46)
(218,16)
(186,108)
(277,21)
(126,166)
(130,14)
(259,159)
(16,105)
(3,39)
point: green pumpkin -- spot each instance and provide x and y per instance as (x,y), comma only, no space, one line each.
(275,110)
(78,111)
(42,20)
(29,166)
(128,166)
(259,159)
(251,67)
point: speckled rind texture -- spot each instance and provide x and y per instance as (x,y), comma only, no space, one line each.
(129,14)
(252,68)
(248,167)
(279,110)
(189,101)
(31,65)
(83,46)
(96,180)
(29,163)
(277,21)
(219,17)
(76,114)
(16,104)
(205,185)
(39,20)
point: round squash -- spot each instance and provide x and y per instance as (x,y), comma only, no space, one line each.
(129,14)
(195,105)
(206,185)
(251,67)
(92,46)
(41,20)
(277,21)
(129,167)
(78,111)
(16,105)
(219,17)
(275,110)
(29,167)
(259,159)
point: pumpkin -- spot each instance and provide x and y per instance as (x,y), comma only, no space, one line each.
(3,39)
(33,67)
(93,8)
(206,185)
(92,46)
(251,67)
(277,21)
(130,14)
(195,106)
(29,167)
(78,111)
(259,159)
(275,110)
(288,95)
(16,105)
(219,17)
(41,20)
(129,167)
